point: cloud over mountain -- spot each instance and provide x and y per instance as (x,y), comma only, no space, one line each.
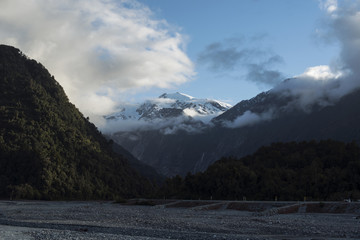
(326,84)
(249,118)
(169,113)
(97,49)
(318,86)
(322,85)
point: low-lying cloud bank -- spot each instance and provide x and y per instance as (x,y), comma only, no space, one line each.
(249,118)
(97,48)
(165,126)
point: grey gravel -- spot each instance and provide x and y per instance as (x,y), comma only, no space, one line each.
(104,220)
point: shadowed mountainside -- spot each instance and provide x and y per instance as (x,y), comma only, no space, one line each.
(48,150)
(325,170)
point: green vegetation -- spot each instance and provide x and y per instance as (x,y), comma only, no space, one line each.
(325,170)
(48,150)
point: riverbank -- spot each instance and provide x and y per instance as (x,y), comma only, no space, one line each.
(154,220)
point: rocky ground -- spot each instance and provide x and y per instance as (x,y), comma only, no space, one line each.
(177,220)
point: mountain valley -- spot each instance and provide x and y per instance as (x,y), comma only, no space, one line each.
(50,151)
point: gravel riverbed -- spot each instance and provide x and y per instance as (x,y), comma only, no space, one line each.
(40,220)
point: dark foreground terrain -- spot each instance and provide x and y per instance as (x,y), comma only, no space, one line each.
(178,220)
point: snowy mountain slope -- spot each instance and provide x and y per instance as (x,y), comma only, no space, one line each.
(169,106)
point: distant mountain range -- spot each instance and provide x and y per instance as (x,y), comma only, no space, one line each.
(269,117)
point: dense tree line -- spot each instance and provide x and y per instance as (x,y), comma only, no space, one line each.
(325,170)
(48,150)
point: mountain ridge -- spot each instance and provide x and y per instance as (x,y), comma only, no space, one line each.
(170,106)
(48,150)
(194,151)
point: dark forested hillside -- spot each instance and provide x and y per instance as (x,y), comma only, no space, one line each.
(325,170)
(48,150)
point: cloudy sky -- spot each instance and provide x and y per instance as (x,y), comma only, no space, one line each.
(104,52)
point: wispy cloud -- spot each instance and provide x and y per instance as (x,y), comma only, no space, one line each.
(235,56)
(249,118)
(166,126)
(94,46)
(261,72)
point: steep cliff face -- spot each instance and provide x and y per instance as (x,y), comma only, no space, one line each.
(48,150)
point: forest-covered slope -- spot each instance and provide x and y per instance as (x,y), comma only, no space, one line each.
(48,150)
(325,170)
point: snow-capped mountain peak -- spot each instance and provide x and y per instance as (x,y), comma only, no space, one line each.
(172,105)
(177,96)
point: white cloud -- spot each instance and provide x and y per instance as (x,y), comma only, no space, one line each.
(205,118)
(191,112)
(165,126)
(92,45)
(330,6)
(324,85)
(249,118)
(322,72)
(163,102)
(345,29)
